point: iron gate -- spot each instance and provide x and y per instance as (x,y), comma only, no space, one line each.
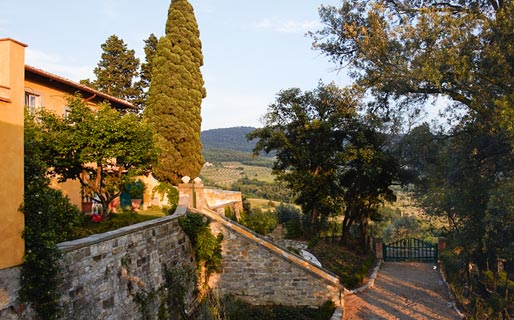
(410,249)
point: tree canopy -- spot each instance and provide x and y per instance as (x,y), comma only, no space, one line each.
(116,71)
(325,151)
(405,53)
(409,51)
(49,220)
(145,75)
(175,95)
(100,148)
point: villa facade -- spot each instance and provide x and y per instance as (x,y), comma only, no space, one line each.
(26,86)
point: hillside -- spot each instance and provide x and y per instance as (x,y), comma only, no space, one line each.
(228,138)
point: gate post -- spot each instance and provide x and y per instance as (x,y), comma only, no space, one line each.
(379,254)
(441,245)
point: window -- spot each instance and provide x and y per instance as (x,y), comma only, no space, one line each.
(32,101)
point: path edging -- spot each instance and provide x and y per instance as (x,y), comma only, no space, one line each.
(452,298)
(371,281)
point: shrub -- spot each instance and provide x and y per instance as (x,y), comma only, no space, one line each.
(135,189)
(235,309)
(230,214)
(259,221)
(49,219)
(286,213)
(171,192)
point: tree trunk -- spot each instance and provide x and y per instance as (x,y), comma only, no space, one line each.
(345,228)
(363,230)
(314,222)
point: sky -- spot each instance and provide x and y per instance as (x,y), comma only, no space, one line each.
(252,49)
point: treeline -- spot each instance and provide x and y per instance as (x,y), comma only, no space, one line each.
(226,155)
(228,138)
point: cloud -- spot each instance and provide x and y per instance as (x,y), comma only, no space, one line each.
(56,64)
(287,26)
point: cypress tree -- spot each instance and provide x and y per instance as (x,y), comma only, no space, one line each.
(175,95)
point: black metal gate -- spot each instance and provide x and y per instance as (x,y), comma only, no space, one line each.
(410,249)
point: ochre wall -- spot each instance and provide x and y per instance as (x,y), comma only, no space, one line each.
(12,66)
(52,99)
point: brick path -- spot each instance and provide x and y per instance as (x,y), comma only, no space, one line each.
(404,291)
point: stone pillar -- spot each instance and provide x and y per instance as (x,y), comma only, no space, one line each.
(379,254)
(194,190)
(199,195)
(186,189)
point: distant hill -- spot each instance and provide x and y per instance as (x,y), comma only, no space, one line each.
(228,139)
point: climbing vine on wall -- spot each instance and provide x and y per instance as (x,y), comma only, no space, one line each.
(207,247)
(171,299)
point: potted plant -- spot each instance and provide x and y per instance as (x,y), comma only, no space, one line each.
(136,191)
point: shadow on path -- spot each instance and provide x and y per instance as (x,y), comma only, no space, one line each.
(403,290)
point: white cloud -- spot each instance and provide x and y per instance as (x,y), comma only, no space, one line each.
(57,65)
(287,26)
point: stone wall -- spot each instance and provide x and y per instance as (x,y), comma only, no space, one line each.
(260,272)
(103,273)
(9,288)
(213,199)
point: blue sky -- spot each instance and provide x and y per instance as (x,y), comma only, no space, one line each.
(252,49)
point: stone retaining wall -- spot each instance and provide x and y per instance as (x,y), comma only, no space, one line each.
(104,272)
(260,272)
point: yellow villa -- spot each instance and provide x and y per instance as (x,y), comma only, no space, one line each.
(25,86)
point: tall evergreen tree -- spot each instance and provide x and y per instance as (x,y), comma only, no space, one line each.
(116,71)
(145,75)
(175,95)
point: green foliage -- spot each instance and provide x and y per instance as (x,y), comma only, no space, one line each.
(135,189)
(49,219)
(291,218)
(116,71)
(145,75)
(253,188)
(227,155)
(170,299)
(233,139)
(346,262)
(171,192)
(175,96)
(207,247)
(230,214)
(116,221)
(405,53)
(307,131)
(235,309)
(408,51)
(101,149)
(262,222)
(401,228)
(328,155)
(497,293)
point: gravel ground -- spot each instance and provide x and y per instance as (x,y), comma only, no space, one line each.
(405,291)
